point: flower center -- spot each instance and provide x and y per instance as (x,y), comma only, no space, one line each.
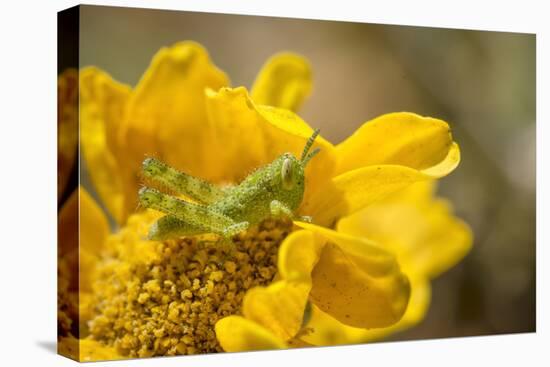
(164,298)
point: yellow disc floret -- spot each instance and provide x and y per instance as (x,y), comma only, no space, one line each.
(164,298)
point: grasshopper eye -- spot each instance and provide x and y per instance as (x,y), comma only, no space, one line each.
(286,174)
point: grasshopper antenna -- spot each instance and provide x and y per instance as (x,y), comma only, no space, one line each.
(310,155)
(305,156)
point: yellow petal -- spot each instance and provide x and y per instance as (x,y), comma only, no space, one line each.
(102,110)
(298,255)
(422,230)
(166,113)
(416,194)
(94,227)
(404,139)
(357,282)
(284,81)
(280,306)
(323,329)
(166,117)
(356,189)
(421,293)
(86,350)
(82,232)
(67,125)
(67,223)
(446,165)
(237,334)
(93,233)
(246,136)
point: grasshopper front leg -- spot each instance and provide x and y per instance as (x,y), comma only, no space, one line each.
(188,218)
(279,209)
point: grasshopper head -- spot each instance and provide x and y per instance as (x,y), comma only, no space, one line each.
(292,169)
(289,174)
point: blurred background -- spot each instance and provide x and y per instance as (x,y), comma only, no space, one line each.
(482,83)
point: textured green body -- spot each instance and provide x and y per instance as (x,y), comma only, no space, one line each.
(276,189)
(250,201)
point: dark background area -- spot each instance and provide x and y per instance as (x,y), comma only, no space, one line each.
(68,35)
(482,83)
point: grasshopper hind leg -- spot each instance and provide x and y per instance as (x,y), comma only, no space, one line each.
(182,183)
(171,227)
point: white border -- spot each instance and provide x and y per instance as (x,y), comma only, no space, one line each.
(28,206)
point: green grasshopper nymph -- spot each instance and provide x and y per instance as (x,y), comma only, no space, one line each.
(274,190)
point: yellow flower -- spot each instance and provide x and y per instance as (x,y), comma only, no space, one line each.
(183,112)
